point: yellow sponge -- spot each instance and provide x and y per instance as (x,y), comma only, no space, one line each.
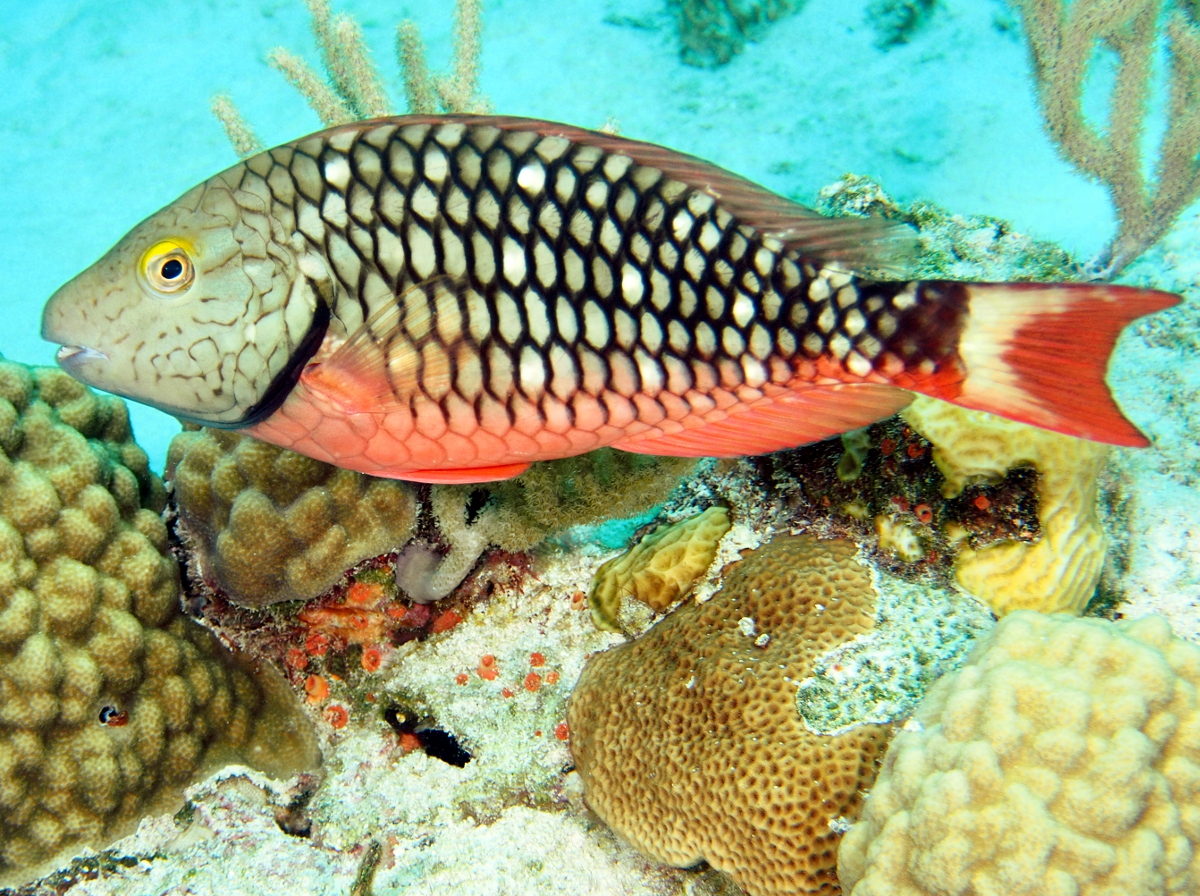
(1057,573)
(659,569)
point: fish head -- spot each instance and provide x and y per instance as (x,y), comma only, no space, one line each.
(198,311)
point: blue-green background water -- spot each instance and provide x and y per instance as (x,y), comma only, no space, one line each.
(104,113)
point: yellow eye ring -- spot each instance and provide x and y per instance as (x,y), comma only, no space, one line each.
(167,267)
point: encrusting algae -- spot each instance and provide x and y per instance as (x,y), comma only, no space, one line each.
(111,700)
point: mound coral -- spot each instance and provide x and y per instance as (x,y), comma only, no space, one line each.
(270,525)
(659,569)
(1063,758)
(110,700)
(688,741)
(1057,573)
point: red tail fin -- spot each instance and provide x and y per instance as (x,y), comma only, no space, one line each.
(1038,352)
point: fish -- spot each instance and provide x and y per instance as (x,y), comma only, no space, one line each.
(451,298)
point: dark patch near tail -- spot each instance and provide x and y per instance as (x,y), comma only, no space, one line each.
(929,331)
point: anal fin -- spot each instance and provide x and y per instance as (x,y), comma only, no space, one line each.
(785,421)
(466,476)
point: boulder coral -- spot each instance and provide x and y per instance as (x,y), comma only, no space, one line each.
(1063,758)
(688,741)
(269,525)
(1057,573)
(111,700)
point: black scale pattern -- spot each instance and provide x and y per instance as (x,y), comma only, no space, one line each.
(711,303)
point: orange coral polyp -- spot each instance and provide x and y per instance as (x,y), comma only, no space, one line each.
(353,626)
(317,688)
(372,659)
(487,667)
(445,621)
(336,716)
(364,594)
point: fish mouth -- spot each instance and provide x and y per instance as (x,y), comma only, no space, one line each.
(73,359)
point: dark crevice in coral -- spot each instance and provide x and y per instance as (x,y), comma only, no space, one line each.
(894,475)
(476,501)
(109,863)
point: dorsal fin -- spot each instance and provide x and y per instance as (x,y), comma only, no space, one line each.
(883,246)
(396,349)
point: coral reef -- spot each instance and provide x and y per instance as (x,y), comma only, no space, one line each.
(896,21)
(688,741)
(921,632)
(714,31)
(1058,572)
(269,525)
(952,246)
(110,699)
(556,495)
(1063,758)
(659,569)
(517,514)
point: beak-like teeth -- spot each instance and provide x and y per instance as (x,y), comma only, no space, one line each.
(77,353)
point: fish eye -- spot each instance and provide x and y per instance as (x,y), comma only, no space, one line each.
(168,268)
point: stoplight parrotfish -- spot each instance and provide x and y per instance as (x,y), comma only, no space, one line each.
(451,298)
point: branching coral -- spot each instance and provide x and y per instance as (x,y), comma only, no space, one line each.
(110,699)
(352,89)
(688,740)
(1063,758)
(1063,39)
(270,525)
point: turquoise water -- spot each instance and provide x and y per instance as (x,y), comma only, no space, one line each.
(104,113)
(105,119)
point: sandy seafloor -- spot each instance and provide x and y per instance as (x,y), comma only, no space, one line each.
(104,118)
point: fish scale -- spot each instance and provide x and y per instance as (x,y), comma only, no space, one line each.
(649,286)
(451,298)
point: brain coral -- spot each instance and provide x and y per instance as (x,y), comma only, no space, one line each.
(110,699)
(1058,573)
(688,741)
(1064,758)
(659,569)
(272,525)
